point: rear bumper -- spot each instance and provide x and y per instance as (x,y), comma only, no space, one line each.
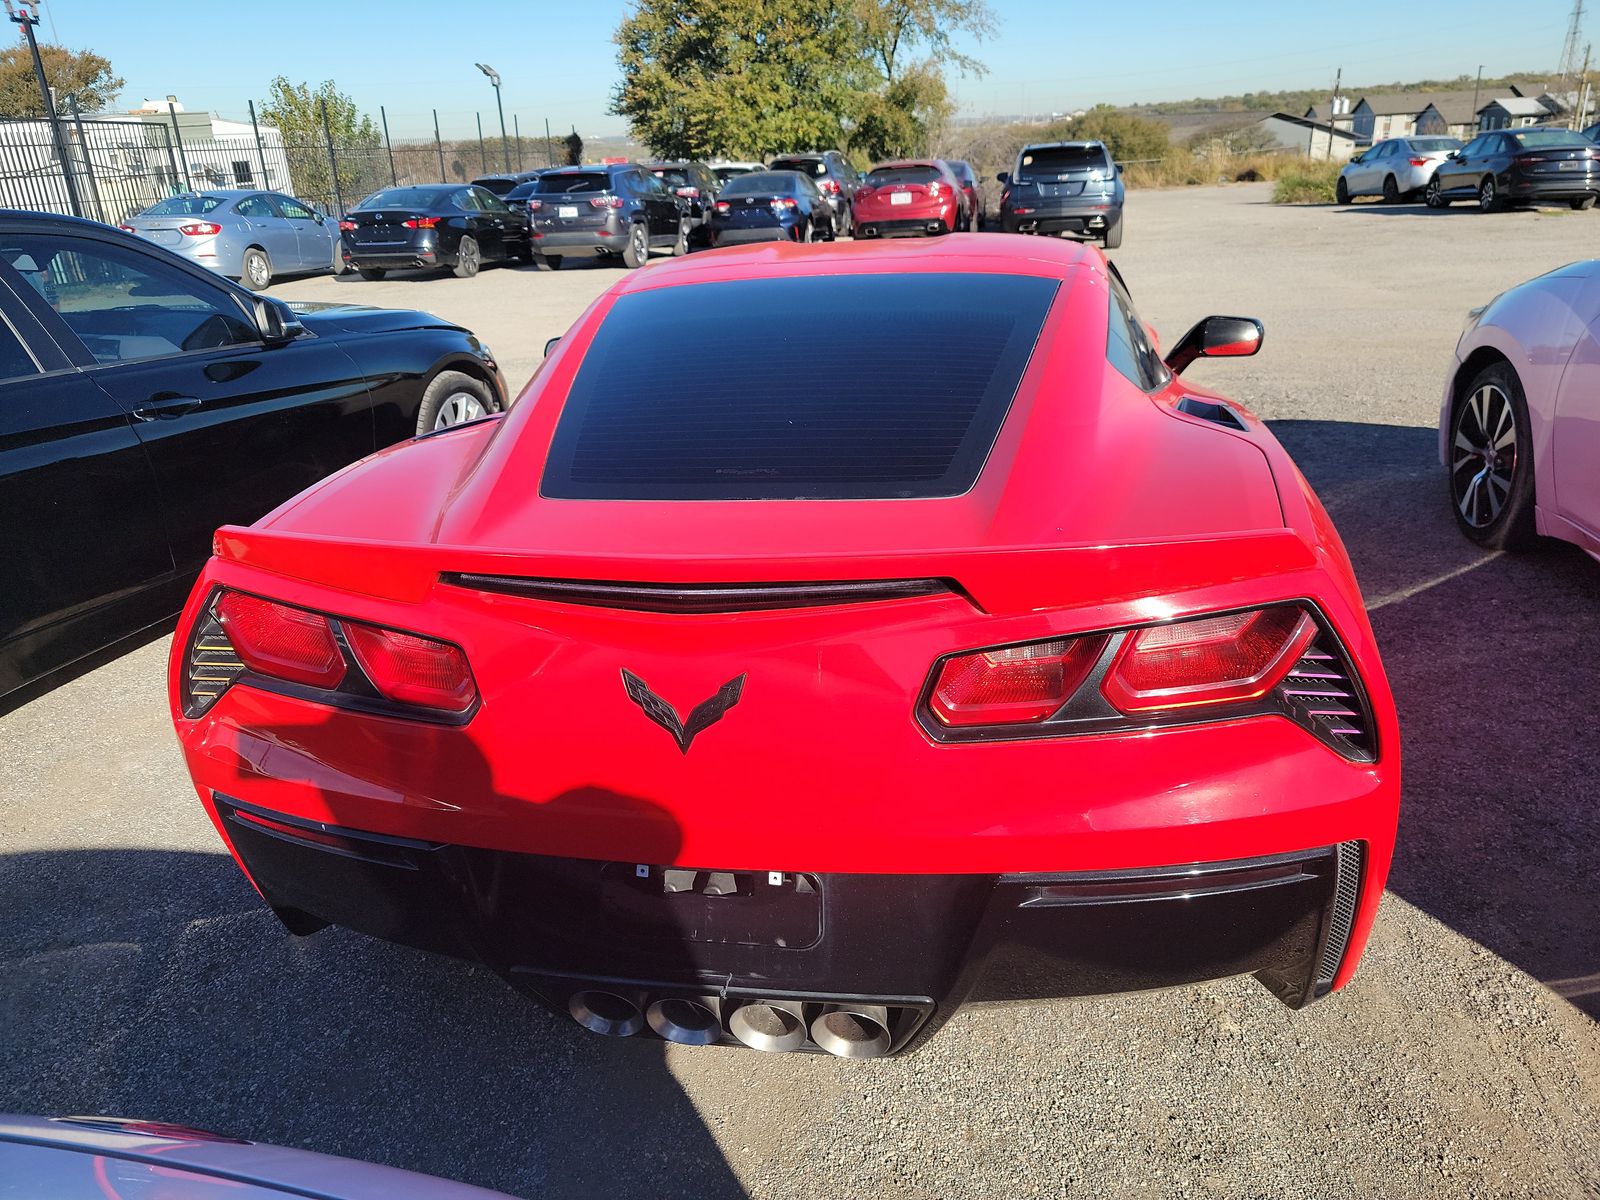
(1048,217)
(920,226)
(562,241)
(725,236)
(921,945)
(397,259)
(1573,186)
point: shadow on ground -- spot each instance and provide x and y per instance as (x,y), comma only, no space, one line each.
(1491,658)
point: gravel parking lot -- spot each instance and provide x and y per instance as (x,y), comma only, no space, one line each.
(139,975)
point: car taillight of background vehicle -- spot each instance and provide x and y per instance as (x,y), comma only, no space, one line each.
(347,226)
(689,193)
(421,222)
(342,661)
(782,202)
(935,190)
(1417,162)
(1279,660)
(830,187)
(200,229)
(535,205)
(605,202)
(723,206)
(865,190)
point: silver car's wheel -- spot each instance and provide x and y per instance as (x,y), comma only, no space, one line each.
(459,407)
(256,269)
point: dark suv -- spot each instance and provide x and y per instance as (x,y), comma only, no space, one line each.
(1064,187)
(835,178)
(610,210)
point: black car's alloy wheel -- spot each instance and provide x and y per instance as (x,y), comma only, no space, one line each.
(1433,194)
(1488,195)
(638,249)
(1491,464)
(453,399)
(467,259)
(681,246)
(1582,202)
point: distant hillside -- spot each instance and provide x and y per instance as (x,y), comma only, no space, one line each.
(1299,100)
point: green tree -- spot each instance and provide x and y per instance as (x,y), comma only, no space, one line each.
(82,74)
(738,78)
(1129,138)
(906,46)
(296,110)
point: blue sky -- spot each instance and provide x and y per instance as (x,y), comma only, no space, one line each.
(558,61)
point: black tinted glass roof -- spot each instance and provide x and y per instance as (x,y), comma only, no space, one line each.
(1045,160)
(763,183)
(409,197)
(806,166)
(900,392)
(573,181)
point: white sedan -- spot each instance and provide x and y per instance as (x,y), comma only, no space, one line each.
(1396,169)
(1519,429)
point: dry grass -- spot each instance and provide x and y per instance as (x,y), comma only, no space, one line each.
(1184,169)
(1310,183)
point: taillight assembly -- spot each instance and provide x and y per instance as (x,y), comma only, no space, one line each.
(829,187)
(782,202)
(535,205)
(1417,162)
(935,190)
(1282,659)
(127,229)
(347,226)
(240,637)
(421,222)
(689,193)
(200,229)
(605,202)
(866,189)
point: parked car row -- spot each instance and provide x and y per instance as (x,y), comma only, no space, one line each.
(1497,169)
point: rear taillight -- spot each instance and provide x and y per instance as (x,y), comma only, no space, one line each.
(1282,660)
(351,663)
(935,191)
(200,229)
(605,202)
(1013,685)
(347,226)
(127,229)
(723,206)
(413,670)
(782,202)
(689,193)
(1213,660)
(421,222)
(1417,162)
(866,189)
(282,642)
(535,205)
(830,187)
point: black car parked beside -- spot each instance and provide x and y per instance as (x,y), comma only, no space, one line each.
(500,184)
(1519,166)
(771,206)
(433,225)
(696,186)
(1064,187)
(835,178)
(616,209)
(144,401)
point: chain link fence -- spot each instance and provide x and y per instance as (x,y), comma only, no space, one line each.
(114,168)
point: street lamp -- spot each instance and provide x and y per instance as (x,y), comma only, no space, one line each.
(494,78)
(26,14)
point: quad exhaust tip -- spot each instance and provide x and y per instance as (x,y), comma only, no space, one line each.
(606,1013)
(689,1022)
(775,1026)
(852,1030)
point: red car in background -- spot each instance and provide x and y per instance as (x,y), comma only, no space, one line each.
(910,198)
(767,713)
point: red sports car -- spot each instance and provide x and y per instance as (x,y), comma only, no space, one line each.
(766,712)
(913,198)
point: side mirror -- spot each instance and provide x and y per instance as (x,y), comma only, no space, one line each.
(1454,156)
(276,322)
(1119,168)
(1003,177)
(551,345)
(1217,337)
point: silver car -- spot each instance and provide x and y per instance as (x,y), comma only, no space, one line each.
(1396,169)
(250,236)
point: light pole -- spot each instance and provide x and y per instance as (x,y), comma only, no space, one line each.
(494,78)
(26,14)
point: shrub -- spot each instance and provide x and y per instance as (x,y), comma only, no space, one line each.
(1308,183)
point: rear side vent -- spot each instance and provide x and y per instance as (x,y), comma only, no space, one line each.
(210,664)
(1206,410)
(1323,694)
(701,598)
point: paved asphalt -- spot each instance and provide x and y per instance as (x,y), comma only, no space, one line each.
(139,975)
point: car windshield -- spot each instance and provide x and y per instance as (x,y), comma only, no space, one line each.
(577,181)
(806,166)
(938,357)
(404,197)
(883,177)
(1535,138)
(762,183)
(183,206)
(1430,145)
(1050,160)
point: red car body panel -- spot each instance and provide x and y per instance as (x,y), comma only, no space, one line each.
(1106,509)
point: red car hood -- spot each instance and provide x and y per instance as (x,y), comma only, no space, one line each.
(1084,463)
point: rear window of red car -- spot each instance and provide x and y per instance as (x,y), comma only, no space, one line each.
(827,387)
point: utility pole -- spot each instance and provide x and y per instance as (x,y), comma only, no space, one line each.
(26,14)
(1475,89)
(1580,117)
(1333,112)
(439,146)
(549,146)
(505,146)
(1569,48)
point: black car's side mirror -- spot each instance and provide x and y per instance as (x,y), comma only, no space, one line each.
(276,322)
(1003,177)
(1217,337)
(551,345)
(1453,156)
